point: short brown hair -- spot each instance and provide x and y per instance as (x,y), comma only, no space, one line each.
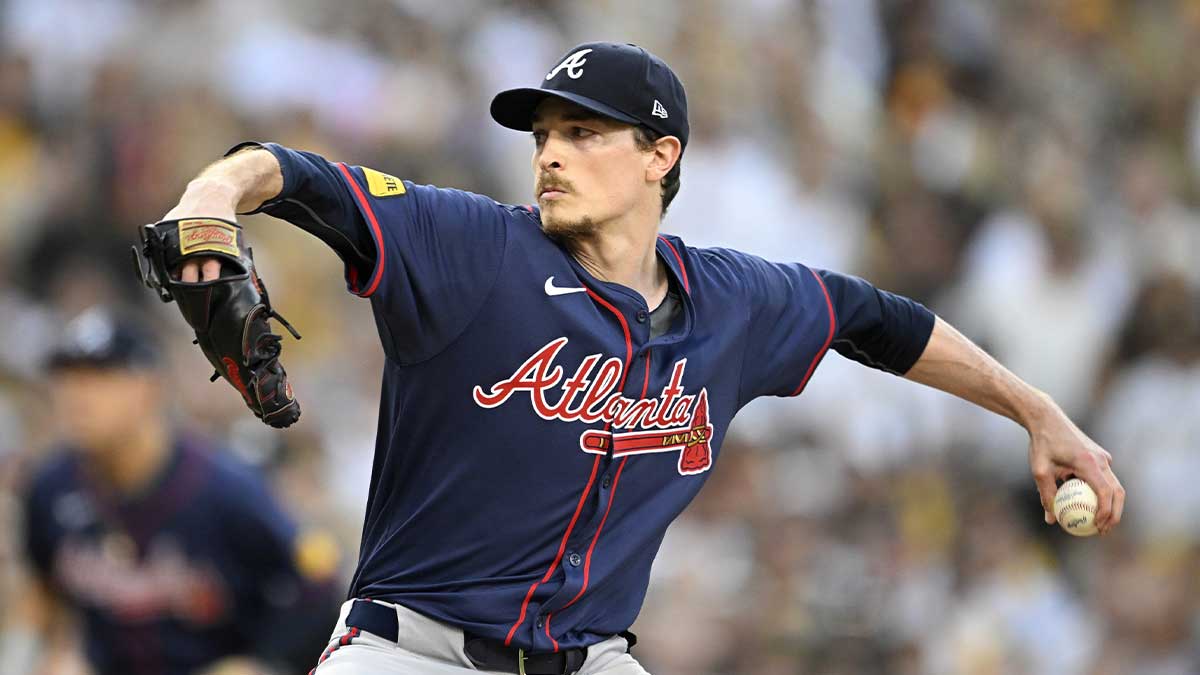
(644,137)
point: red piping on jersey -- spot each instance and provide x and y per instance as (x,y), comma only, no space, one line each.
(624,328)
(562,547)
(587,565)
(828,340)
(366,207)
(682,269)
(552,640)
(646,382)
(595,463)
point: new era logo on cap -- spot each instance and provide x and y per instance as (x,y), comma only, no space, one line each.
(659,110)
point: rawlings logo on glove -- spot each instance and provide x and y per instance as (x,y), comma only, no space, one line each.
(207,235)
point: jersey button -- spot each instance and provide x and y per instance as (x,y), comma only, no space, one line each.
(641,316)
(540,622)
(606,483)
(575,559)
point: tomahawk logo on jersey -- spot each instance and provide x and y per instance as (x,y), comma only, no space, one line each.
(535,439)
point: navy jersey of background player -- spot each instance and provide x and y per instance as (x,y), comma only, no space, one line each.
(198,566)
(535,437)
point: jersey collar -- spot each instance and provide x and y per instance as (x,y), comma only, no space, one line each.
(671,251)
(631,302)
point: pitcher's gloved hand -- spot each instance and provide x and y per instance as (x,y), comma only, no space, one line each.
(230,313)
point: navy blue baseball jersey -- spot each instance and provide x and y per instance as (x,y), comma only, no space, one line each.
(535,439)
(200,565)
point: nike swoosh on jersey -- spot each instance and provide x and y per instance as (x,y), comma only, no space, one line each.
(552,290)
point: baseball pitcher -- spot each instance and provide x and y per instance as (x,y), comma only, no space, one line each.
(559,377)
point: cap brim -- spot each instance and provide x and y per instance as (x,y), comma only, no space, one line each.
(514,108)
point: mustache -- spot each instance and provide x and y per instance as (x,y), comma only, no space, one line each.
(547,182)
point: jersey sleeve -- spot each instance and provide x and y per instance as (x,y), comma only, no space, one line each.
(797,314)
(791,326)
(427,257)
(876,328)
(313,198)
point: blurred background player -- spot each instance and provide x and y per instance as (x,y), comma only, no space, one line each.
(173,557)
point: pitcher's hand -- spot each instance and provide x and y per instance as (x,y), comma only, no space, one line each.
(1058,449)
(202,200)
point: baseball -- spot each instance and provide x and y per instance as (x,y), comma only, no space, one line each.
(1075,508)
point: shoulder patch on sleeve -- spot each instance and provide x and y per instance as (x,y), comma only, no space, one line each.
(380,184)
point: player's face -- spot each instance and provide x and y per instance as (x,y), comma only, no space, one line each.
(587,169)
(97,408)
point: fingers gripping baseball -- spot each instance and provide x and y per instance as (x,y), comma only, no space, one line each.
(1061,450)
(1111,496)
(1045,475)
(1109,499)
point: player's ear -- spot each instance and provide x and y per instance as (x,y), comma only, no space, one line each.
(663,157)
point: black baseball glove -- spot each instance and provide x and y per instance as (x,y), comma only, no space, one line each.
(230,314)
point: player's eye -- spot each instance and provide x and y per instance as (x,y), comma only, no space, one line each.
(539,137)
(580,132)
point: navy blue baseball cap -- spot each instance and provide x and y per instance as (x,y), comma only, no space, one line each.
(101,338)
(621,81)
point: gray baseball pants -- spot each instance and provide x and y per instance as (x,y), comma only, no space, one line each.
(428,647)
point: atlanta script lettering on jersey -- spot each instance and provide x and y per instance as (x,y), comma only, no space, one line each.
(672,422)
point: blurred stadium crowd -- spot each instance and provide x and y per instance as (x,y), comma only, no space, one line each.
(1027,168)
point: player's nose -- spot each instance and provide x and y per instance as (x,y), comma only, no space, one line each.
(551,155)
